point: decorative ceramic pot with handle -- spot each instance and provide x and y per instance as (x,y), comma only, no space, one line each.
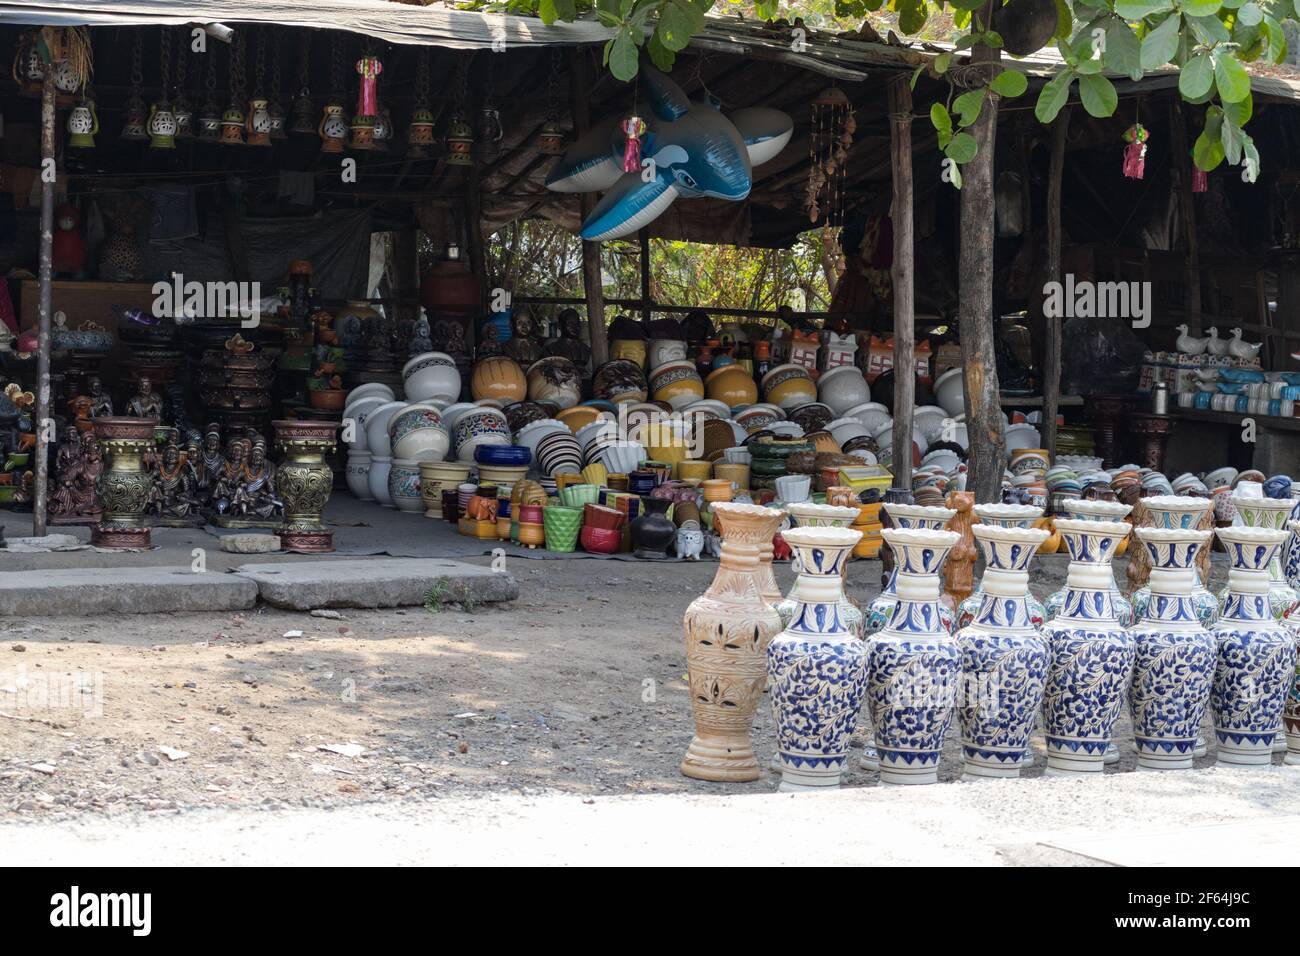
(1003,656)
(1256,660)
(1174,655)
(728,629)
(816,667)
(1179,512)
(1003,516)
(921,517)
(1090,653)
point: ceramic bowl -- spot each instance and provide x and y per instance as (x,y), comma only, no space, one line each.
(843,388)
(739,455)
(430,377)
(662,351)
(416,433)
(601,427)
(453,412)
(732,385)
(789,386)
(404,485)
(503,455)
(786,429)
(677,383)
(844,430)
(1220,478)
(377,441)
(759,416)
(556,380)
(622,458)
(945,459)
(519,414)
(558,453)
(369,389)
(479,426)
(498,377)
(949,392)
(534,432)
(692,469)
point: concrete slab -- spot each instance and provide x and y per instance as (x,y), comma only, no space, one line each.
(377,582)
(1246,843)
(87,591)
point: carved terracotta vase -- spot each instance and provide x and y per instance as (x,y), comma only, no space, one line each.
(1003,656)
(1080,509)
(816,667)
(728,629)
(1174,655)
(1090,654)
(1179,512)
(1002,516)
(915,665)
(304,482)
(124,483)
(1255,670)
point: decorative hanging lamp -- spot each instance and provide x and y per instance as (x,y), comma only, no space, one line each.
(134,117)
(303,121)
(162,121)
(419,134)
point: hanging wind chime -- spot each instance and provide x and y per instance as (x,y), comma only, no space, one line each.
(363,121)
(833,126)
(419,135)
(133,114)
(258,124)
(333,128)
(274,110)
(304,115)
(550,138)
(233,120)
(181,105)
(1135,150)
(210,113)
(460,135)
(162,121)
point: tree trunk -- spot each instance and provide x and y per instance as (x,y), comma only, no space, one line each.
(988,456)
(1052,345)
(44,431)
(902,274)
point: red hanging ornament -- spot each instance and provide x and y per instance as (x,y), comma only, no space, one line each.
(369,68)
(1200,181)
(633,128)
(1135,153)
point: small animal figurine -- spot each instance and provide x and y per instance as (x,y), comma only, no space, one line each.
(1243,350)
(1215,345)
(690,542)
(959,571)
(1189,344)
(713,545)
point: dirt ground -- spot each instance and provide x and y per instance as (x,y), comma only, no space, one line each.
(578,687)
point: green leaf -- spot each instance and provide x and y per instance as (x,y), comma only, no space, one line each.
(1123,50)
(942,123)
(1053,96)
(1196,77)
(1231,78)
(566,10)
(1208,30)
(1065,19)
(1009,83)
(1250,14)
(623,57)
(941,63)
(1207,151)
(968,106)
(1160,45)
(1137,9)
(660,55)
(1230,139)
(954,171)
(1098,95)
(962,148)
(674,28)
(916,75)
(546,11)
(1276,39)
(968,5)
(1200,8)
(1251,160)
(1239,112)
(912,15)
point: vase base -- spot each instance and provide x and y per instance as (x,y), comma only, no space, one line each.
(1201,749)
(1292,759)
(1258,757)
(109,536)
(1072,767)
(893,778)
(803,785)
(307,542)
(720,763)
(1148,762)
(794,780)
(978,770)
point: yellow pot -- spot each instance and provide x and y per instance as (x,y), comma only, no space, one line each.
(1053,543)
(738,474)
(665,443)
(692,469)
(577,416)
(716,489)
(788,387)
(823,441)
(631,349)
(676,383)
(595,474)
(498,377)
(732,386)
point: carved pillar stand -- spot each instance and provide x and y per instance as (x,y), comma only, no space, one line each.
(1152,432)
(1106,414)
(124,482)
(304,482)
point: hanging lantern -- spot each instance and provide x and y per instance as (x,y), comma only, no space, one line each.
(383,129)
(83,124)
(274,110)
(209,122)
(234,120)
(134,121)
(276,116)
(419,134)
(303,122)
(634,128)
(161,126)
(831,137)
(181,105)
(363,132)
(1135,152)
(29,69)
(490,130)
(333,129)
(550,139)
(259,122)
(232,126)
(460,143)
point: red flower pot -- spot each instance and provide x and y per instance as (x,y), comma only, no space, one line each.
(600,540)
(599,516)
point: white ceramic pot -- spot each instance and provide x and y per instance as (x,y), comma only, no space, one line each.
(377,478)
(432,377)
(377,442)
(358,475)
(453,412)
(358,412)
(929,419)
(533,432)
(950,392)
(1022,435)
(845,429)
(660,351)
(404,485)
(482,426)
(621,458)
(556,380)
(377,389)
(871,414)
(843,388)
(793,489)
(416,433)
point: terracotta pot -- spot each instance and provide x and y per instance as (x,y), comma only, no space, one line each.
(599,516)
(326,399)
(304,481)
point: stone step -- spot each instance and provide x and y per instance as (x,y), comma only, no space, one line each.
(88,591)
(377,582)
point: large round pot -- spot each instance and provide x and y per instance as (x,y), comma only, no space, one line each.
(437,477)
(580,416)
(558,453)
(377,441)
(653,530)
(431,377)
(304,481)
(950,392)
(842,388)
(812,417)
(498,377)
(759,416)
(479,426)
(789,386)
(377,477)
(355,414)
(556,380)
(662,351)
(619,380)
(677,383)
(531,434)
(358,475)
(416,433)
(731,385)
(124,483)
(374,390)
(404,485)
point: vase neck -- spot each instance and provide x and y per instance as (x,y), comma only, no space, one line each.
(1003,583)
(819,600)
(1088,592)
(1003,612)
(1247,598)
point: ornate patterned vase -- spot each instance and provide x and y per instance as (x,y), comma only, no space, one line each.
(304,481)
(1256,654)
(1290,555)
(905,516)
(1271,513)
(1090,654)
(728,629)
(1003,656)
(914,664)
(816,667)
(1002,516)
(1080,509)
(124,483)
(1174,655)
(1176,511)
(807,514)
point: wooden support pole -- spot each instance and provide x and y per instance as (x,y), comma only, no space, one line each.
(1052,346)
(592,285)
(988,457)
(1182,172)
(44,422)
(474,233)
(643,239)
(902,274)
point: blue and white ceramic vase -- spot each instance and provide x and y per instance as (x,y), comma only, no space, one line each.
(816,667)
(1177,511)
(1291,549)
(915,666)
(921,517)
(1271,513)
(1003,516)
(1003,656)
(1256,655)
(808,514)
(1085,509)
(1174,655)
(1291,709)
(1090,654)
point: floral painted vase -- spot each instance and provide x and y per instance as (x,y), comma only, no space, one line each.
(816,667)
(1090,654)
(1256,655)
(1080,509)
(1002,516)
(1176,511)
(810,515)
(1290,555)
(728,629)
(1174,655)
(1003,656)
(1271,513)
(915,664)
(906,516)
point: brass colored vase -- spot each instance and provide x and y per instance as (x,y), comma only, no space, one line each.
(728,629)
(304,481)
(124,482)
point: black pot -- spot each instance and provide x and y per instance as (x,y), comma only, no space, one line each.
(653,531)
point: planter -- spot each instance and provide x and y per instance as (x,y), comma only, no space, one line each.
(731,385)
(561,526)
(404,485)
(556,380)
(304,482)
(787,387)
(358,475)
(677,383)
(500,378)
(843,388)
(817,666)
(600,540)
(728,630)
(501,474)
(653,531)
(437,477)
(377,479)
(429,377)
(124,483)
(416,433)
(479,426)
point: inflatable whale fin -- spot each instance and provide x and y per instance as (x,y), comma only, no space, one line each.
(627,207)
(765,131)
(667,99)
(591,163)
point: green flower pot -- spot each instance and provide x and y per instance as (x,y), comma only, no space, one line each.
(561,524)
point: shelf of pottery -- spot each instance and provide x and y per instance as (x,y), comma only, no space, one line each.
(938,657)
(1222,375)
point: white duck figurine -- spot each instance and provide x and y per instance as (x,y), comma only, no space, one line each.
(1216,345)
(1243,350)
(1188,344)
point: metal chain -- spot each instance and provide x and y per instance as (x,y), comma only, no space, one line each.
(259,68)
(336,66)
(553,85)
(165,61)
(137,56)
(275,63)
(182,61)
(462,85)
(304,54)
(422,79)
(210,81)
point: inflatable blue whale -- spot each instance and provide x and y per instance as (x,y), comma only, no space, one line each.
(696,152)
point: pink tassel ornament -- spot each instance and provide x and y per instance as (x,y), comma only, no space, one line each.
(1135,153)
(368,68)
(633,128)
(1200,181)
